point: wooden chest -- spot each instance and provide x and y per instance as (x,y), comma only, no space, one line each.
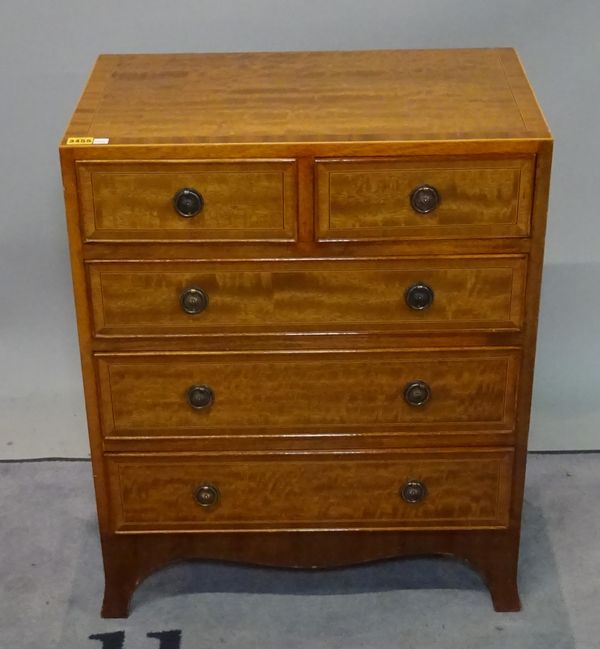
(307,291)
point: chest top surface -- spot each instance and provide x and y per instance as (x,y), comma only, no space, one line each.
(380,95)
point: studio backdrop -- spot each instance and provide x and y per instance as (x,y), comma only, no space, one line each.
(46,51)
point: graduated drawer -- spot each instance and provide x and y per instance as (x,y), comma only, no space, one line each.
(154,395)
(376,490)
(151,299)
(381,198)
(251,200)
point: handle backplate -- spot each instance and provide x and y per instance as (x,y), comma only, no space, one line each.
(424,199)
(207,494)
(417,393)
(413,491)
(200,397)
(193,300)
(419,296)
(188,202)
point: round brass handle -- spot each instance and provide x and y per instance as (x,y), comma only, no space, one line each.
(200,397)
(188,202)
(413,491)
(424,199)
(417,393)
(419,297)
(207,495)
(193,300)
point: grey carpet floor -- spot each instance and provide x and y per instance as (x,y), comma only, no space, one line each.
(51,581)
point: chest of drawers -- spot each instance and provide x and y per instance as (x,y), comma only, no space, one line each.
(307,291)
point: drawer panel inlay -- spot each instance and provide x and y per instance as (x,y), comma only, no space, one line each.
(389,490)
(307,392)
(137,299)
(217,200)
(399,199)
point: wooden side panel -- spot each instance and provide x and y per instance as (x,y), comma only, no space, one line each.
(306,393)
(243,200)
(136,299)
(283,492)
(370,198)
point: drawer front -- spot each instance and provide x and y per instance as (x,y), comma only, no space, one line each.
(373,199)
(391,490)
(239,201)
(304,393)
(136,299)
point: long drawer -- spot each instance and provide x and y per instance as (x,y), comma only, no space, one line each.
(153,395)
(183,299)
(377,490)
(249,200)
(360,199)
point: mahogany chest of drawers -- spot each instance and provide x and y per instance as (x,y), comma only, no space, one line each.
(307,291)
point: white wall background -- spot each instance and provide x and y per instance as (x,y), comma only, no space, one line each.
(46,51)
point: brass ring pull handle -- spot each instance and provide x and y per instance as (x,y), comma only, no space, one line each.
(413,491)
(200,397)
(193,300)
(417,393)
(188,202)
(424,199)
(419,297)
(207,495)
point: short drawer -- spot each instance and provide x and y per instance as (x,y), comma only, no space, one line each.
(390,199)
(153,395)
(377,490)
(252,200)
(395,296)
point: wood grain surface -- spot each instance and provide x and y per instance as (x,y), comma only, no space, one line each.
(382,95)
(243,200)
(493,553)
(136,299)
(306,161)
(285,492)
(370,198)
(304,392)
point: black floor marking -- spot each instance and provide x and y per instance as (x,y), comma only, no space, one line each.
(114,640)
